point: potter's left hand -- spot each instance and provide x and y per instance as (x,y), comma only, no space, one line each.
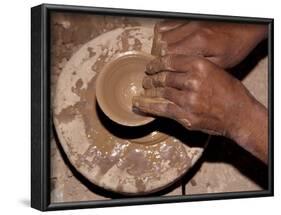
(201,96)
(225,44)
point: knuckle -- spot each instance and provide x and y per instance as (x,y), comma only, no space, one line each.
(201,66)
(186,83)
(193,100)
(200,36)
(195,84)
(199,63)
(191,84)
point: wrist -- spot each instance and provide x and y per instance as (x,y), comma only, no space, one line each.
(242,120)
(250,131)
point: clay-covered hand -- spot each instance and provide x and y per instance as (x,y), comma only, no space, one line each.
(201,96)
(225,44)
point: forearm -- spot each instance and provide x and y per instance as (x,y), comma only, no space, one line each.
(254,34)
(252,132)
(257,32)
(248,37)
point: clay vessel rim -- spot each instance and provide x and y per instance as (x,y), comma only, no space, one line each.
(99,94)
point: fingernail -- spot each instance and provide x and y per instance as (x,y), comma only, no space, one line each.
(154,66)
(147,82)
(164,48)
(135,102)
(161,26)
(149,67)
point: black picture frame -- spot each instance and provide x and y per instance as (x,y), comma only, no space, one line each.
(41,115)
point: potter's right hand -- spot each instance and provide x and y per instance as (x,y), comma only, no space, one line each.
(202,96)
(225,44)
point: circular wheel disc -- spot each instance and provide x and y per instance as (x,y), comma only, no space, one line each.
(107,153)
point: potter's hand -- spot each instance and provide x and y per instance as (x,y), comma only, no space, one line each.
(201,96)
(225,44)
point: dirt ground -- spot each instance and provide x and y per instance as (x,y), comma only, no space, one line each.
(224,167)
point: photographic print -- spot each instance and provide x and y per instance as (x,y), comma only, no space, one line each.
(149,107)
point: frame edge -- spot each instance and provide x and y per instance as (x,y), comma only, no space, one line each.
(39,109)
(39,150)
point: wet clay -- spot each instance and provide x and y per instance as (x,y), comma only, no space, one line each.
(119,81)
(106,153)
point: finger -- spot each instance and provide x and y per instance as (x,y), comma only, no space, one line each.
(173,95)
(158,45)
(172,63)
(180,81)
(158,107)
(157,80)
(168,25)
(196,44)
(154,92)
(179,33)
(147,82)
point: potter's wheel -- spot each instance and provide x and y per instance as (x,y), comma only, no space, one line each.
(107,154)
